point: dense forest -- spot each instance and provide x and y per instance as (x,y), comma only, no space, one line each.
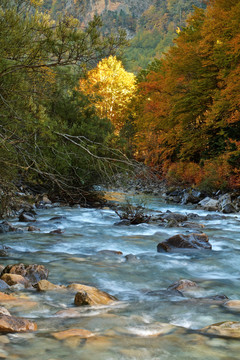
(50,132)
(186,118)
(70,111)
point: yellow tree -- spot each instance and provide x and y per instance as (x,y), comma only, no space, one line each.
(112,89)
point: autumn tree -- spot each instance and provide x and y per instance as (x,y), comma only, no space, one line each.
(190,103)
(111,88)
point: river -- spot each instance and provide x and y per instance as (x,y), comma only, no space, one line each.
(148,322)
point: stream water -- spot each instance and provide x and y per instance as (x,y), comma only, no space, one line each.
(148,322)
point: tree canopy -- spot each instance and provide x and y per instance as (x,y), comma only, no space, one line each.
(41,60)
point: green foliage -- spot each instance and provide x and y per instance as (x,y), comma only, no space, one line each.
(48,132)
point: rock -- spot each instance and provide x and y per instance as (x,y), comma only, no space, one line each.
(33,273)
(232,304)
(88,295)
(180,241)
(183,285)
(13,279)
(26,216)
(214,217)
(44,285)
(82,333)
(192,196)
(11,324)
(122,222)
(226,328)
(4,311)
(109,252)
(209,204)
(33,228)
(3,285)
(7,227)
(82,298)
(57,231)
(229,209)
(46,200)
(175,216)
(192,225)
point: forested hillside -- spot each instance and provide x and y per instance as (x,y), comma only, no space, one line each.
(187,119)
(151,25)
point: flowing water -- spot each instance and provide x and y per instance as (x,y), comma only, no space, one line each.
(148,322)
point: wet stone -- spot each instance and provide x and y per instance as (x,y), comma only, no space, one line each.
(227,329)
(27,217)
(33,273)
(183,285)
(192,241)
(44,285)
(11,324)
(13,279)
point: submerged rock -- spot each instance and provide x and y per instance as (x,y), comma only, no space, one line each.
(132,258)
(226,328)
(180,241)
(88,295)
(11,324)
(82,333)
(110,252)
(33,273)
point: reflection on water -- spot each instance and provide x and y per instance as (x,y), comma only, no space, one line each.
(148,322)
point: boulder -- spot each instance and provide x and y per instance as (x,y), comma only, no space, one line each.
(88,295)
(183,285)
(26,216)
(33,273)
(175,216)
(193,196)
(11,324)
(81,333)
(209,204)
(180,241)
(226,329)
(44,285)
(13,279)
(229,209)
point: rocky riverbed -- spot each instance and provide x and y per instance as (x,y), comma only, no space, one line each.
(74,280)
